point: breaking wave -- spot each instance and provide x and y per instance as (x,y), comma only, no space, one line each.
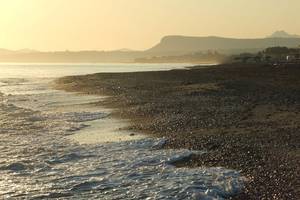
(38,160)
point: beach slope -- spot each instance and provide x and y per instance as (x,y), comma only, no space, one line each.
(246,116)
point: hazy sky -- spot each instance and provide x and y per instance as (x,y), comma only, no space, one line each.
(137,24)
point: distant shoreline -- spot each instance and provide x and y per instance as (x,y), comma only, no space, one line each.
(169,48)
(97,63)
(246,116)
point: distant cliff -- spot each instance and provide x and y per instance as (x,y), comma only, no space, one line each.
(179,46)
(184,44)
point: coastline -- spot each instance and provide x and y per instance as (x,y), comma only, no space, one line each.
(247,117)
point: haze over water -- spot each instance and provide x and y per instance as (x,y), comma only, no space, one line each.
(51,70)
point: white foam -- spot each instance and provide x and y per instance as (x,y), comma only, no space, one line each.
(105,130)
(39,160)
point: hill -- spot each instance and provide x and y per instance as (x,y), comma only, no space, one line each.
(69,56)
(170,48)
(283,34)
(182,44)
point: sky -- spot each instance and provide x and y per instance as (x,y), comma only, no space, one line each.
(50,25)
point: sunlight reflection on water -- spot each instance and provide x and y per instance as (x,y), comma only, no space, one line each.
(27,70)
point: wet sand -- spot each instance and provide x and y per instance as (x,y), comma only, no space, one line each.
(246,117)
(105,130)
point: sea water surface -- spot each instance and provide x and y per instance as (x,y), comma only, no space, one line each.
(46,150)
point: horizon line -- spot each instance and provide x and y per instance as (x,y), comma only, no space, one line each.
(142,50)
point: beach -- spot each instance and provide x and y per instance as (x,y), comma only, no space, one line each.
(245,116)
(69,145)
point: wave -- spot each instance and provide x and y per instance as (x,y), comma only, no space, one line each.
(38,160)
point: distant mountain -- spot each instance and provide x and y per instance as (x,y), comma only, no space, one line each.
(173,45)
(21,51)
(179,46)
(26,51)
(5,51)
(125,50)
(70,56)
(283,34)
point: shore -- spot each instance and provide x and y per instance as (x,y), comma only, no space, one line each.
(246,116)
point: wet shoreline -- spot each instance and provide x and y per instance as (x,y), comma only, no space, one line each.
(247,117)
(39,161)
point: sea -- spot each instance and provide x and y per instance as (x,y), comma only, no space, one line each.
(60,145)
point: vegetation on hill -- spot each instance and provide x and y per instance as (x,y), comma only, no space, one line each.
(271,55)
(198,57)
